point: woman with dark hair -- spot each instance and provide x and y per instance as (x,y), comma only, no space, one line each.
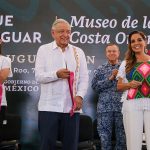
(134,79)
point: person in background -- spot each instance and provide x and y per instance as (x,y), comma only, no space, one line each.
(5,72)
(109,114)
(55,62)
(134,80)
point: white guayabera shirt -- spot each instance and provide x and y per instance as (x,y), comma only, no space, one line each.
(55,95)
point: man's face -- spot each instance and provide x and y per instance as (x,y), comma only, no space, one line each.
(112,53)
(61,34)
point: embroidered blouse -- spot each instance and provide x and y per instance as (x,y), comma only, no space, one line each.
(133,73)
(141,72)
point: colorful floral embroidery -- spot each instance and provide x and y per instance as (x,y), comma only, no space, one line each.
(141,73)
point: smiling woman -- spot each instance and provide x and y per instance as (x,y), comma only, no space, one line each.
(134,80)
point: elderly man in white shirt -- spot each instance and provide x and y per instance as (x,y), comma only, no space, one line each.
(53,65)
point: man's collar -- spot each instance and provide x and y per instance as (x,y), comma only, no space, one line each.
(55,46)
(108,63)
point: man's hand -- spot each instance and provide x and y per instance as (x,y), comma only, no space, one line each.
(78,100)
(63,73)
(113,75)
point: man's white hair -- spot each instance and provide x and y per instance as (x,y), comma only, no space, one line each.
(60,20)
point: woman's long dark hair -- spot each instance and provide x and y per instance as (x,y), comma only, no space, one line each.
(130,55)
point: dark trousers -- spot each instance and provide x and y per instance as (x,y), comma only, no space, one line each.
(3,112)
(2,117)
(52,123)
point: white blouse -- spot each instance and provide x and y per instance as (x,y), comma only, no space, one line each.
(5,62)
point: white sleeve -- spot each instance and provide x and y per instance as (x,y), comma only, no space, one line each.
(6,63)
(121,71)
(41,75)
(122,74)
(83,76)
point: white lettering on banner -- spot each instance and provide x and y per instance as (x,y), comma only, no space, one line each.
(17,70)
(22,88)
(128,23)
(6,20)
(33,70)
(148,39)
(77,37)
(15,82)
(21,37)
(31,59)
(90,60)
(20,70)
(17,37)
(22,58)
(83,22)
(121,38)
(146,23)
